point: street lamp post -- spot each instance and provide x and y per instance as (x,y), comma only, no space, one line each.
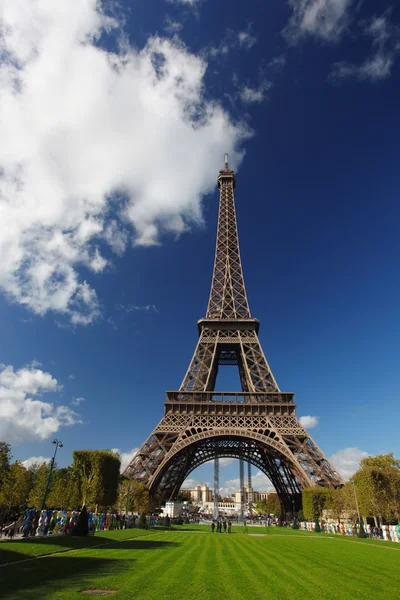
(361,532)
(58,444)
(355,496)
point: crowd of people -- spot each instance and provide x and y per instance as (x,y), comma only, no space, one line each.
(41,523)
(390,533)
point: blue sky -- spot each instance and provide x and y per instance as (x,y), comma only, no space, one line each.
(116,122)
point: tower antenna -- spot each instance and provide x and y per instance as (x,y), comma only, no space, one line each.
(226,160)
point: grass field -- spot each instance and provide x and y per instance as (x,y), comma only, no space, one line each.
(190,563)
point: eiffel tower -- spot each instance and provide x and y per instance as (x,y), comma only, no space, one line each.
(257,424)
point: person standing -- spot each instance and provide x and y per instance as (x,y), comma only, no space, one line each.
(224,525)
(229,526)
(212,526)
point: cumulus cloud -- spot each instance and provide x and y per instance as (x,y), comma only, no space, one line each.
(24,415)
(309,422)
(347,461)
(97,143)
(190,484)
(260,483)
(386,46)
(323,19)
(126,457)
(35,460)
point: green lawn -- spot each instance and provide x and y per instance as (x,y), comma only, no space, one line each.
(186,565)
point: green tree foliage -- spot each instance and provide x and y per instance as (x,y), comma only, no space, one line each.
(378,487)
(132,496)
(272,506)
(97,475)
(261,507)
(5,459)
(315,500)
(38,475)
(14,488)
(63,491)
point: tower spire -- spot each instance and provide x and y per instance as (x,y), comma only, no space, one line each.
(228,298)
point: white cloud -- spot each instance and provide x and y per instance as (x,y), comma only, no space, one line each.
(252,95)
(386,45)
(309,422)
(190,484)
(260,482)
(171,26)
(126,457)
(24,416)
(35,460)
(278,63)
(71,376)
(225,462)
(347,461)
(132,307)
(97,143)
(77,401)
(191,3)
(232,40)
(246,38)
(323,19)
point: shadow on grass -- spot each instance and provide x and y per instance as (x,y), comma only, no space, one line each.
(20,581)
(39,547)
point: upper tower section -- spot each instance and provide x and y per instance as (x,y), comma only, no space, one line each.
(228,300)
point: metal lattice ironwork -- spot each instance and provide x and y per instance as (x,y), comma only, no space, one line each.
(258,424)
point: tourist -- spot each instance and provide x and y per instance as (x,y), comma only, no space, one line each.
(212,526)
(224,525)
(229,526)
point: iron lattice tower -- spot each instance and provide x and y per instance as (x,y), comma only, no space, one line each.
(257,424)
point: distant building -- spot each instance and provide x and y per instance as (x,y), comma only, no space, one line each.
(200,494)
(203,497)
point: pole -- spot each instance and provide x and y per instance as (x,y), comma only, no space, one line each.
(250,489)
(355,496)
(216,486)
(58,445)
(241,479)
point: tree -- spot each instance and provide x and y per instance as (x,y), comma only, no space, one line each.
(63,493)
(97,475)
(273,505)
(315,500)
(336,502)
(5,460)
(378,487)
(14,489)
(261,507)
(132,497)
(38,475)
